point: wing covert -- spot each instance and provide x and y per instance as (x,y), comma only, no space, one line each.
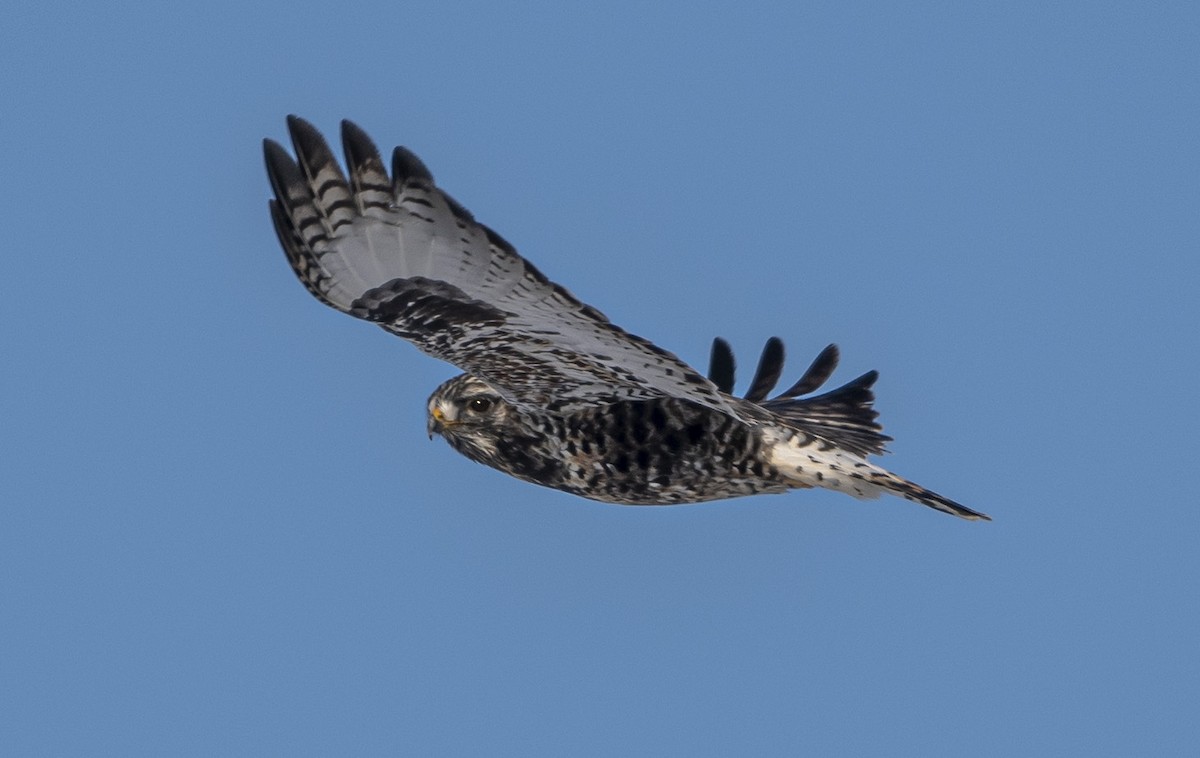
(398,251)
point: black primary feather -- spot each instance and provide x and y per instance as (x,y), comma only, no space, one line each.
(721,366)
(817,374)
(770,367)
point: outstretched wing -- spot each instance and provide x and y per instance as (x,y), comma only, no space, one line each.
(399,252)
(844,416)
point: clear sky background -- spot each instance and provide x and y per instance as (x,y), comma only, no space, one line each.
(224,532)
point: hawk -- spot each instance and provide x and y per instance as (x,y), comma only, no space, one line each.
(554,393)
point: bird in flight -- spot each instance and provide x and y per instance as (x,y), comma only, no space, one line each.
(554,393)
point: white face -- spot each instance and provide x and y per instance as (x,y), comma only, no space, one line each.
(465,409)
(443,410)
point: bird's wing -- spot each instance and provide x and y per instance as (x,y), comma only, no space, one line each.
(398,251)
(845,416)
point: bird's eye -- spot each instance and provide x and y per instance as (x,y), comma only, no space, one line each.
(479,404)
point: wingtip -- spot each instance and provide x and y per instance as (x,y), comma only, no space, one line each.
(867,380)
(296,123)
(273,153)
(358,145)
(832,354)
(282,170)
(918,494)
(770,368)
(312,151)
(406,165)
(817,373)
(721,366)
(966,514)
(304,135)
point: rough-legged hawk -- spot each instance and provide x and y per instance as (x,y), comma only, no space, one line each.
(554,393)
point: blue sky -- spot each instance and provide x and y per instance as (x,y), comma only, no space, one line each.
(224,532)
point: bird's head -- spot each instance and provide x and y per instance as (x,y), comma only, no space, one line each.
(470,415)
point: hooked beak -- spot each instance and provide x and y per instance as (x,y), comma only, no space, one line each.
(437,422)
